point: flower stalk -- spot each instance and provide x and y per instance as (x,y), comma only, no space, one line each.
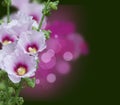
(43,16)
(46,11)
(8,2)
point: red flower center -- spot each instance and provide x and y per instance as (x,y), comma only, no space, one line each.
(7,40)
(32,49)
(21,69)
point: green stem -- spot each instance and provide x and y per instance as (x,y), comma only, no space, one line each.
(19,89)
(40,25)
(8,95)
(17,92)
(43,16)
(8,12)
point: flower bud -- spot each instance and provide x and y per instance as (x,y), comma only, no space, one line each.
(54,5)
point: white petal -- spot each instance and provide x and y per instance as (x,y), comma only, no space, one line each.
(14,79)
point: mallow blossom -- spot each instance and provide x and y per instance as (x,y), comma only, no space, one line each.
(64,46)
(32,42)
(6,50)
(19,65)
(7,36)
(20,23)
(19,43)
(32,9)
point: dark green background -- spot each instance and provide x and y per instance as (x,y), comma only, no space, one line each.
(85,91)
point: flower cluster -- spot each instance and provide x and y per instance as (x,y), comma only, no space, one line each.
(22,38)
(20,47)
(25,51)
(64,46)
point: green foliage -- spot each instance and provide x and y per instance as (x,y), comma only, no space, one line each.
(11,90)
(6,2)
(1,21)
(50,6)
(47,33)
(30,82)
(38,1)
(2,86)
(1,103)
(19,101)
(54,5)
(3,9)
(2,73)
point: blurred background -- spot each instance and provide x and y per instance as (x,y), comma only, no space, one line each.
(79,86)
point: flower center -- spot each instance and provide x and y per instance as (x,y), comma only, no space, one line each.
(6,42)
(35,17)
(32,50)
(21,71)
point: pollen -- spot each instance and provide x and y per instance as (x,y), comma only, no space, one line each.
(6,42)
(32,50)
(21,71)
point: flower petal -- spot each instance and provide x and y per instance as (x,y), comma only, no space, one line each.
(14,79)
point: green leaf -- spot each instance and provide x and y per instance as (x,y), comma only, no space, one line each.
(11,90)
(3,10)
(1,103)
(2,86)
(1,21)
(47,33)
(54,5)
(30,82)
(2,95)
(19,100)
(2,73)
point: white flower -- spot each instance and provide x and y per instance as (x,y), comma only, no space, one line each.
(6,50)
(32,42)
(19,65)
(19,3)
(7,36)
(20,23)
(32,9)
